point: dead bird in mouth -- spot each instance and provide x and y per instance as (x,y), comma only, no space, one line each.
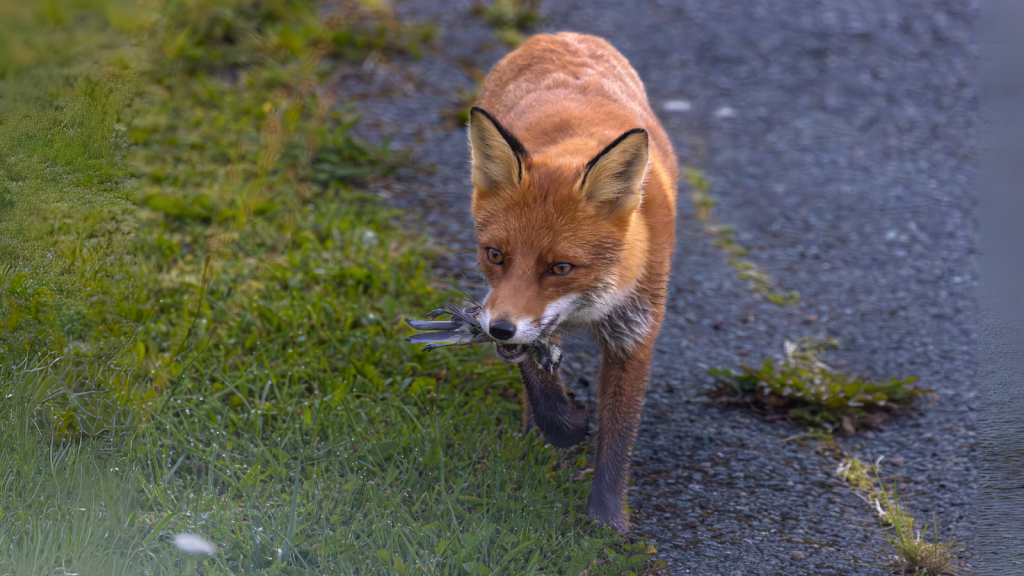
(463,328)
(554,410)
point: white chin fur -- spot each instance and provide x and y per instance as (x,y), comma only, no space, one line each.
(558,312)
(606,302)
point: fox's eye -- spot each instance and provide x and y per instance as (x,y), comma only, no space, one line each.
(495,257)
(561,269)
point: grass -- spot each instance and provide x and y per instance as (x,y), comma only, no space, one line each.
(202,318)
(724,237)
(800,387)
(912,552)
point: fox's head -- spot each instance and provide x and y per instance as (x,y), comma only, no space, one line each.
(559,236)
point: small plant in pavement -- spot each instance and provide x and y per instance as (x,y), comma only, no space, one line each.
(913,552)
(511,19)
(723,236)
(800,387)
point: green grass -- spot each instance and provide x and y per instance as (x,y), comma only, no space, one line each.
(911,551)
(914,553)
(202,318)
(800,387)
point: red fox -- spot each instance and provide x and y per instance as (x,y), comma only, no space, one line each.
(574,187)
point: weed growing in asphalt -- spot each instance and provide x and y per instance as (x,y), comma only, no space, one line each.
(724,237)
(858,474)
(800,387)
(511,19)
(700,195)
(202,321)
(458,114)
(913,553)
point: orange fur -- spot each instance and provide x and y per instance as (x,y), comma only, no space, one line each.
(549,188)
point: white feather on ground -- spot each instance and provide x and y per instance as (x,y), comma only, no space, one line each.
(194,544)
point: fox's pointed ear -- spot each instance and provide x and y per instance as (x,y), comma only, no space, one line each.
(613,179)
(497,155)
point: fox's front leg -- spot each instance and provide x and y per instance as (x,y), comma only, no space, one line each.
(621,389)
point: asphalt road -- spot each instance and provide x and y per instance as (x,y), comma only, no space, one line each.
(840,138)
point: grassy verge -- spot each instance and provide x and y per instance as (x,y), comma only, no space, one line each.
(202,318)
(911,551)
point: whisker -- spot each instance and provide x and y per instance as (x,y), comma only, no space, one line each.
(468,296)
(443,258)
(580,342)
(475,282)
(568,364)
(548,328)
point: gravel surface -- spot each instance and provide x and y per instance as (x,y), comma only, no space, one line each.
(839,136)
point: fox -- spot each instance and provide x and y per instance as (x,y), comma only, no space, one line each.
(574,206)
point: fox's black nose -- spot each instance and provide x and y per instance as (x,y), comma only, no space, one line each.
(502,329)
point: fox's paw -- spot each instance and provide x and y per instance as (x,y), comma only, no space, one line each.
(607,516)
(564,424)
